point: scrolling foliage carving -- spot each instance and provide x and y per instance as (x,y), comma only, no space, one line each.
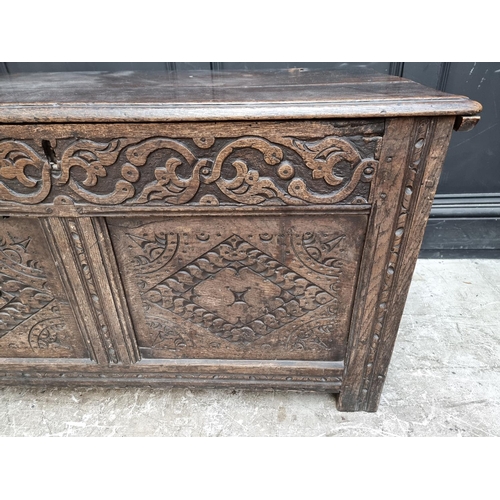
(28,172)
(25,300)
(248,170)
(22,284)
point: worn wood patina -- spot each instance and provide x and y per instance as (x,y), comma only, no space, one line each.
(252,230)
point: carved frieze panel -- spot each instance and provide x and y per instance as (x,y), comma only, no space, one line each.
(35,317)
(268,287)
(242,169)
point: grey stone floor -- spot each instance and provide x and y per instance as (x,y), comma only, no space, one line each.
(444,380)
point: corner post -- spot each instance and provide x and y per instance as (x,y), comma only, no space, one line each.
(411,160)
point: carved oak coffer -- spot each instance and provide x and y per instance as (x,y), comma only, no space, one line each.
(252,230)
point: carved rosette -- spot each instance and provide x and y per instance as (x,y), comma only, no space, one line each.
(200,171)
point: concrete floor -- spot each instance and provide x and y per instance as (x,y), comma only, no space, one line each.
(444,380)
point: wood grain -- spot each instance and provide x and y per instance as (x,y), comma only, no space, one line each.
(257,288)
(36,319)
(199,373)
(408,248)
(465,123)
(201,96)
(204,165)
(90,279)
(409,162)
(253,230)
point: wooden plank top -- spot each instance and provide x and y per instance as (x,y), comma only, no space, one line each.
(204,95)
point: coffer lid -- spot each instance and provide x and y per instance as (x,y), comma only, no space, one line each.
(228,95)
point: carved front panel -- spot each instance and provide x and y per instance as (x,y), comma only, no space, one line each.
(35,317)
(249,287)
(295,164)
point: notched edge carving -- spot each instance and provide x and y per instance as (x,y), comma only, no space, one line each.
(423,132)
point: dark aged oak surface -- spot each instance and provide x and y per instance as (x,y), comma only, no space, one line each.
(203,95)
(254,230)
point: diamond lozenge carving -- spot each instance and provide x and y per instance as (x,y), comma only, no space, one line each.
(237,291)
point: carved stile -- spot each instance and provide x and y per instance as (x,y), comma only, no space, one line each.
(233,242)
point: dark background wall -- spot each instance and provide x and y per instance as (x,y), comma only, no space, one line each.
(465,219)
